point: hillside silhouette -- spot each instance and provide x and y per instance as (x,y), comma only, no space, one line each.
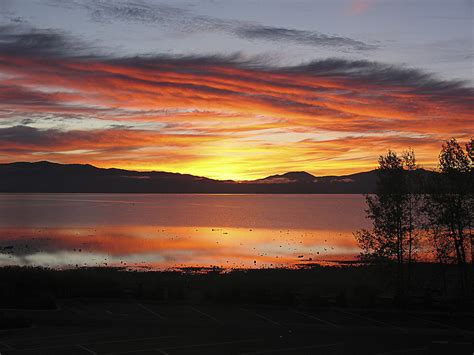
(52,177)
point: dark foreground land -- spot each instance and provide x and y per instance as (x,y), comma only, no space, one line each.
(322,310)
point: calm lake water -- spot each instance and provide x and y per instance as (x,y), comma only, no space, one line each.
(178,230)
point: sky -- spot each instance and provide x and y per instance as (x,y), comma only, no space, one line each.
(234,89)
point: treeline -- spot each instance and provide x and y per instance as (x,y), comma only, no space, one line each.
(417,214)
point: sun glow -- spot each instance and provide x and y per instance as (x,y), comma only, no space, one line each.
(220,120)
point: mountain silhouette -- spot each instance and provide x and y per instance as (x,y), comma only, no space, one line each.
(290,177)
(45,176)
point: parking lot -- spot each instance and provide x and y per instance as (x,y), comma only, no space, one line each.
(85,326)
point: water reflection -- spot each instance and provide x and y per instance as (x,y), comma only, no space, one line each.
(166,231)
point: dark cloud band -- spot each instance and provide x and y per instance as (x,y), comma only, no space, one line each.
(183,20)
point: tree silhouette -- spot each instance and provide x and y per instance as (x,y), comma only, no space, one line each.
(412,208)
(470,153)
(449,207)
(393,210)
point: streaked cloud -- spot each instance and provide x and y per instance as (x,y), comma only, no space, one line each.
(183,20)
(218,116)
(310,38)
(21,40)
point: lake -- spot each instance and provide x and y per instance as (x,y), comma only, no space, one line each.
(161,231)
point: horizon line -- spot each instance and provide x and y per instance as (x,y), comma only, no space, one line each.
(199,176)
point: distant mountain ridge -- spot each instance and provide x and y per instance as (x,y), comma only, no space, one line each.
(290,177)
(52,177)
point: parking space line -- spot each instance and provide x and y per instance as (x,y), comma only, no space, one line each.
(263,317)
(441,324)
(205,314)
(316,318)
(369,319)
(86,349)
(116,314)
(292,349)
(152,311)
(128,340)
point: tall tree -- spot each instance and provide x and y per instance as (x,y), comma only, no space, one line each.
(412,208)
(470,154)
(449,206)
(393,211)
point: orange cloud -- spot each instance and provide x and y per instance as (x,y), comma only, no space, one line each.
(223,118)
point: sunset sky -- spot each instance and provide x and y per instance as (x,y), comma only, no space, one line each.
(233,89)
